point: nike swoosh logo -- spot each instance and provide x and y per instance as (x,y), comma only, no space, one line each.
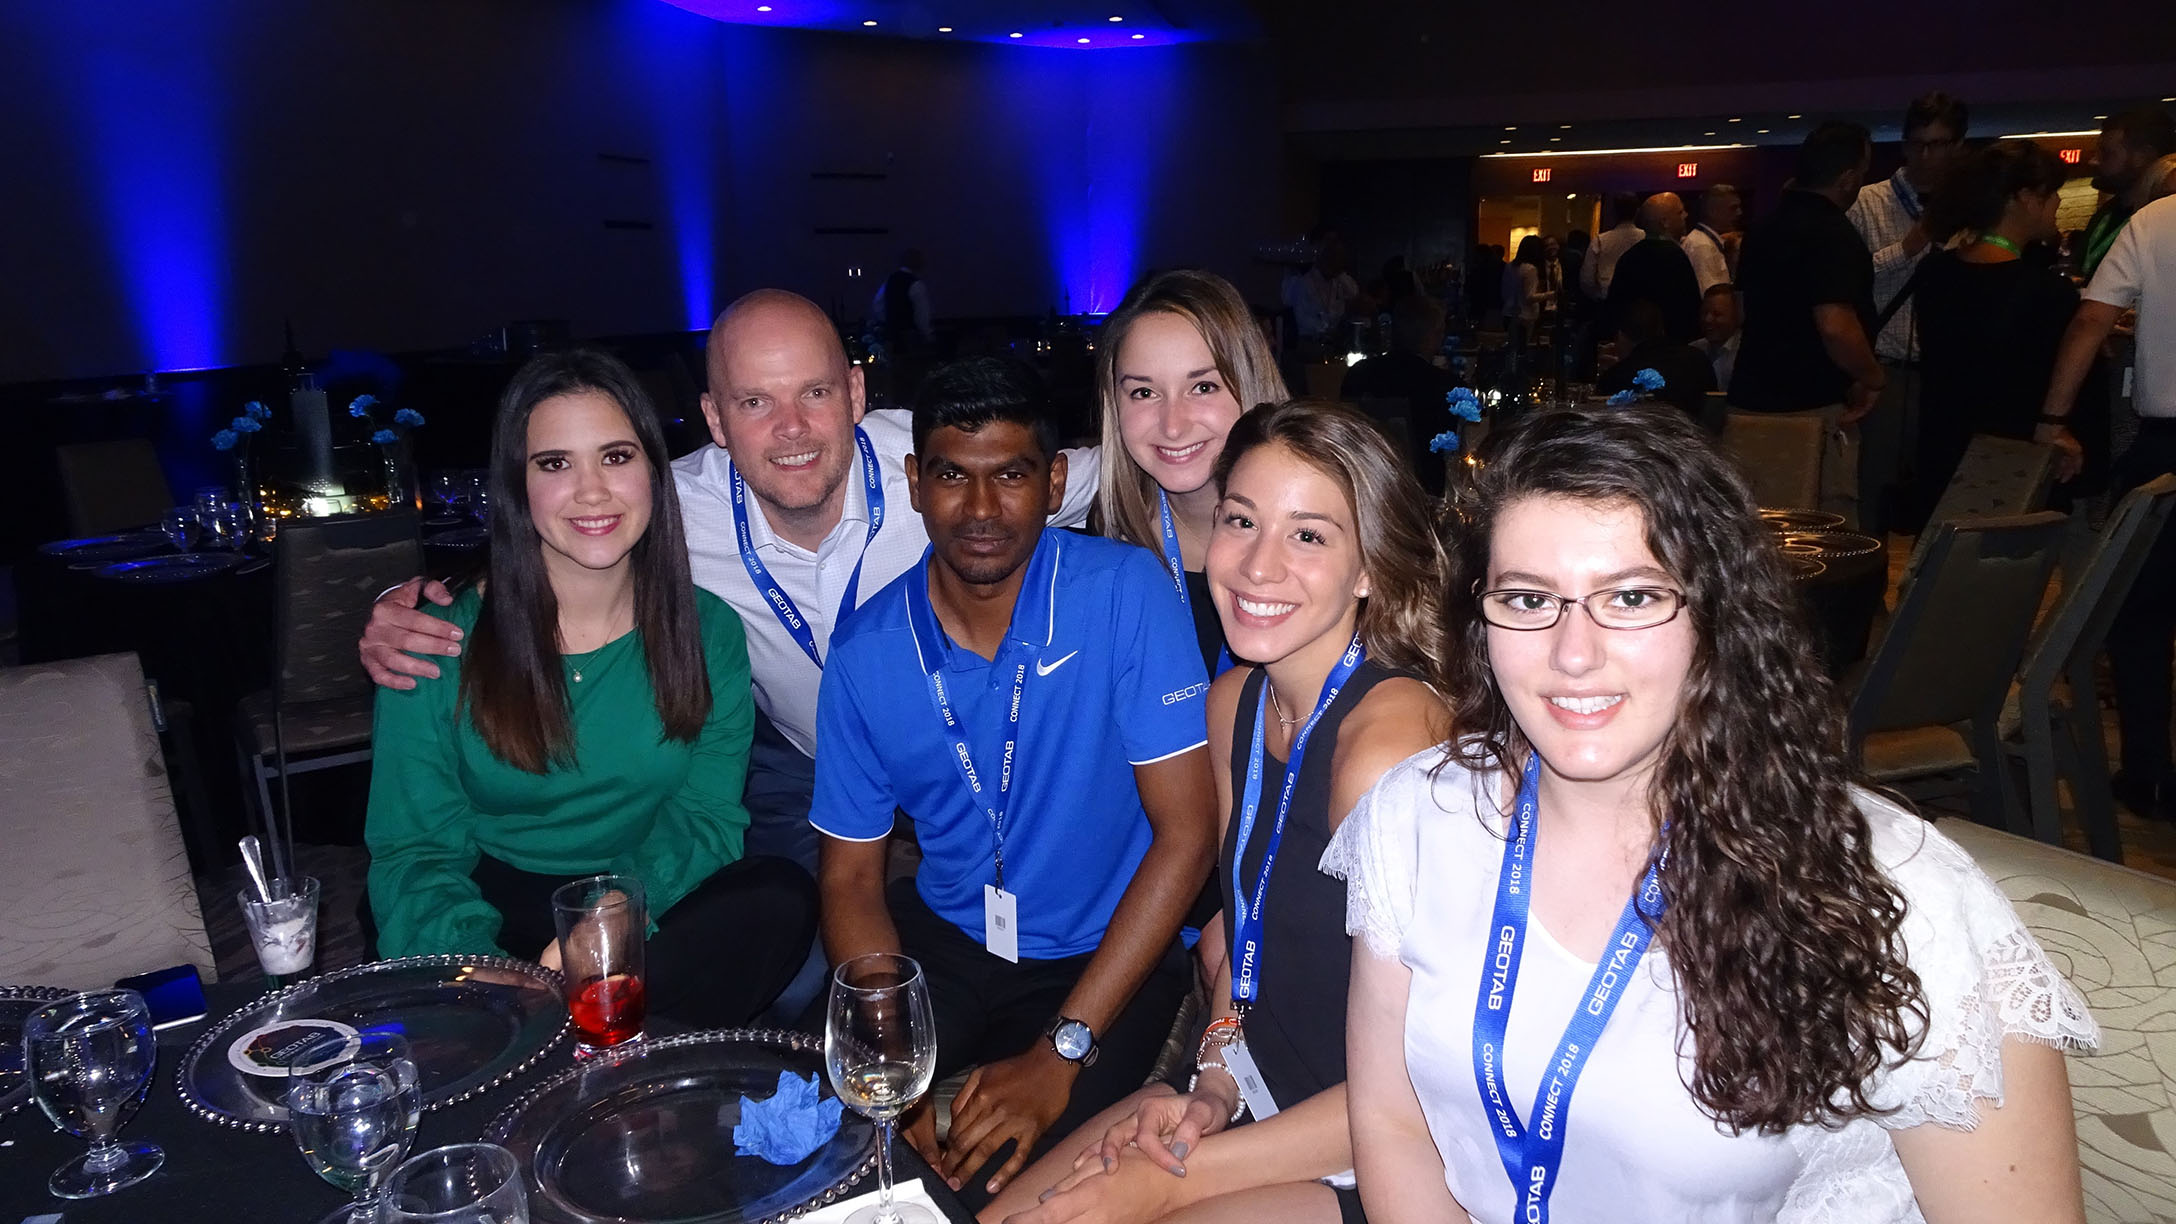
(1044,669)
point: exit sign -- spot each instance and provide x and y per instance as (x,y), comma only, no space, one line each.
(1541,174)
(2071,156)
(1688,169)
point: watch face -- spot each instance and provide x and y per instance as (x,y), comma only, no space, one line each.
(1073,1040)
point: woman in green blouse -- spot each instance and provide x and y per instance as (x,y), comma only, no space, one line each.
(597,720)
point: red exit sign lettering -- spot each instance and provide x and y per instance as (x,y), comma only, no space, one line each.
(2071,156)
(1688,169)
(1541,174)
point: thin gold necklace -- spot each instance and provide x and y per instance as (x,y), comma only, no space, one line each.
(1275,704)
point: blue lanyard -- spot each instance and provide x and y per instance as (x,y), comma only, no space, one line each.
(1247,922)
(1177,565)
(782,605)
(992,800)
(1531,1159)
(1906,197)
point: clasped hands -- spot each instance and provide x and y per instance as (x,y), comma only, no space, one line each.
(1133,1171)
(1014,1098)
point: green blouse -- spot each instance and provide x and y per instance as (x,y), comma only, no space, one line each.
(633,801)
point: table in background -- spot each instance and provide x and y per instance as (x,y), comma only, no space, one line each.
(206,642)
(219,1175)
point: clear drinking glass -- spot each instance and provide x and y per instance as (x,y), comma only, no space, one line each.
(602,922)
(447,488)
(352,1103)
(466,1183)
(880,1048)
(90,1060)
(181,527)
(284,929)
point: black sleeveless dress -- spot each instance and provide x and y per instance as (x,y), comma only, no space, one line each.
(1296,1027)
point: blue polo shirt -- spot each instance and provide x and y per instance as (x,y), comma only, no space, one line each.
(1114,680)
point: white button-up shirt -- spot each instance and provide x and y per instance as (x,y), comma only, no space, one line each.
(785,679)
(1600,266)
(1704,247)
(1883,214)
(2139,272)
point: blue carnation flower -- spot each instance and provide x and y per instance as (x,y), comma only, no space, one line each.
(246,424)
(1445,442)
(225,439)
(361,405)
(1464,404)
(1648,380)
(1622,398)
(409,417)
(256,411)
(385,437)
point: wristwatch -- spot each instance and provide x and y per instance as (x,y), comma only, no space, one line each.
(1074,1041)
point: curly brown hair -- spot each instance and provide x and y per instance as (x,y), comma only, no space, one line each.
(1782,931)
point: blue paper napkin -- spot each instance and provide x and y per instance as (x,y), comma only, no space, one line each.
(789,1127)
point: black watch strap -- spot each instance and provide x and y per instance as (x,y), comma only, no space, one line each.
(1050,1034)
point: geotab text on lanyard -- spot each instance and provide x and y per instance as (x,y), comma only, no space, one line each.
(991,799)
(1176,563)
(1532,1158)
(1247,948)
(781,604)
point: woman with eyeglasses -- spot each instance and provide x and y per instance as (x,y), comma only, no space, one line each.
(1634,946)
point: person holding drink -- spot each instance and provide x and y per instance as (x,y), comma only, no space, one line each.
(1633,945)
(598,721)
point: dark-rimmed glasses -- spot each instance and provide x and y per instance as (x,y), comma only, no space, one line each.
(1630,607)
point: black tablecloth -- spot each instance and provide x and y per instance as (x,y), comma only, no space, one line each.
(218,1175)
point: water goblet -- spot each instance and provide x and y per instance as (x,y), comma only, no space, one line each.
(90,1059)
(880,1050)
(466,1183)
(602,922)
(181,526)
(447,488)
(353,1103)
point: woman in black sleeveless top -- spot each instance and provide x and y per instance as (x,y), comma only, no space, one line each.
(1324,561)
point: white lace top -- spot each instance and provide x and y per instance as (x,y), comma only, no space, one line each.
(1420,857)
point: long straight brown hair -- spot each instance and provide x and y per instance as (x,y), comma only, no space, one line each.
(513,683)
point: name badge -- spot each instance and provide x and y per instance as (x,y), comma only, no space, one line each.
(1001,923)
(1240,1062)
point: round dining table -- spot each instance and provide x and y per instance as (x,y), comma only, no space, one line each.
(218,1175)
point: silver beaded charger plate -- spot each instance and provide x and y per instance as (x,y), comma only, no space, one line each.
(180,567)
(1834,543)
(1801,520)
(644,1134)
(98,550)
(474,1022)
(16,1004)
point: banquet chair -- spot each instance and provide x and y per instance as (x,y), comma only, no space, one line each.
(1997,476)
(1779,454)
(2053,733)
(108,486)
(1930,701)
(320,704)
(95,885)
(2105,928)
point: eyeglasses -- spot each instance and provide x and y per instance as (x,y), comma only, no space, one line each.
(1620,608)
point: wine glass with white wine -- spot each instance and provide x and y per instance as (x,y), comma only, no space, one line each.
(880,1048)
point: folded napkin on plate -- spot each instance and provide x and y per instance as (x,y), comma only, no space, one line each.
(909,1191)
(789,1126)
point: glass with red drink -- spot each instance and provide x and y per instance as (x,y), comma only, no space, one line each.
(601,923)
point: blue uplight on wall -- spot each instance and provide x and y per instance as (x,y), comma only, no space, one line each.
(148,122)
(1097,187)
(685,115)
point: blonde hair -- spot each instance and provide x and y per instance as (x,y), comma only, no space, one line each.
(1401,620)
(1126,495)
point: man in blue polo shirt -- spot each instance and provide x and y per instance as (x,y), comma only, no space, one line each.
(1032,699)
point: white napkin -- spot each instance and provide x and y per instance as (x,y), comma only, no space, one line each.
(910,1191)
